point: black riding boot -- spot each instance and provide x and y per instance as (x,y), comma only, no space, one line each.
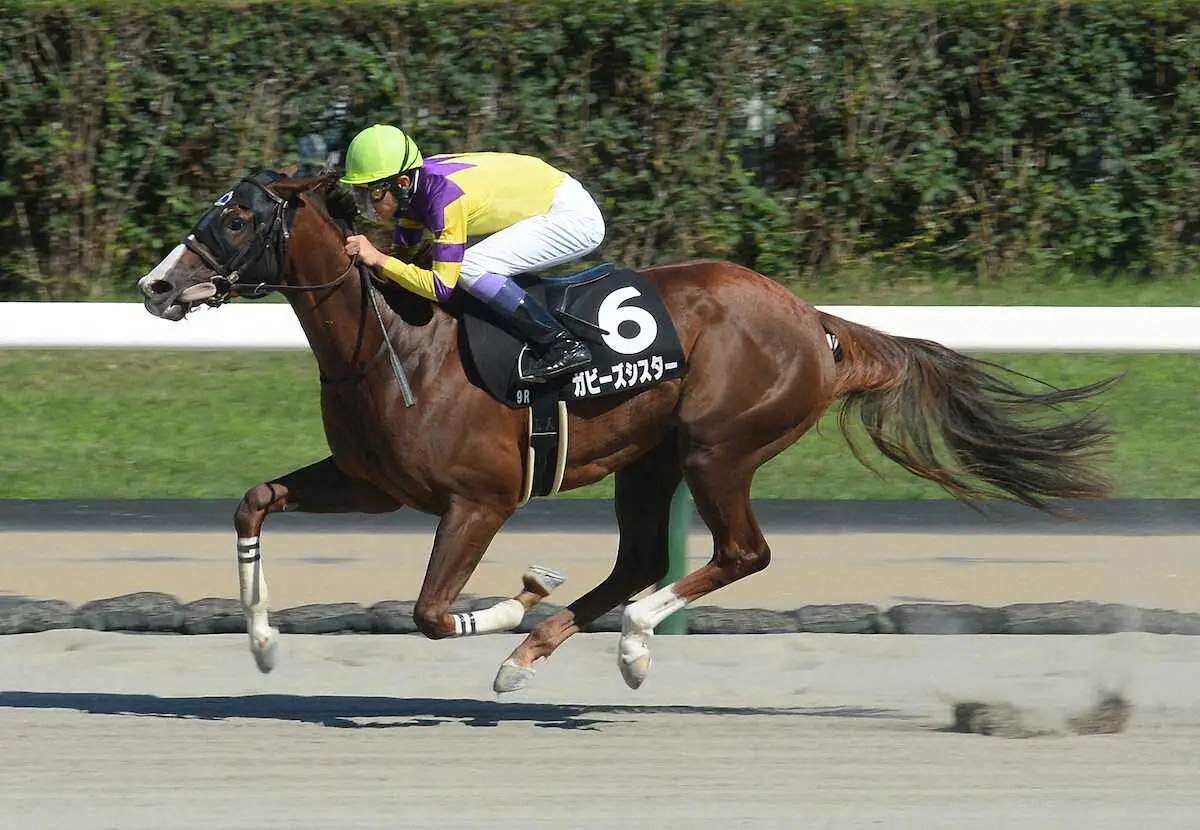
(558,351)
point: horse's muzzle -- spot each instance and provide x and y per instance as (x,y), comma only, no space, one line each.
(161,298)
(165,297)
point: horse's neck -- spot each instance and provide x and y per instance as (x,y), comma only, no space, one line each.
(346,327)
(342,328)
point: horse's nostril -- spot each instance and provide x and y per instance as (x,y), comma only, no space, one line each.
(160,287)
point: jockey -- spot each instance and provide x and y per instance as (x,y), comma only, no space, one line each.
(519,214)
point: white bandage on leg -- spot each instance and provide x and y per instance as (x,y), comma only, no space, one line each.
(503,616)
(253,584)
(251,579)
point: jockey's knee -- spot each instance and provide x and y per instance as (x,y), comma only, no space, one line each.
(433,623)
(595,235)
(592,231)
(586,220)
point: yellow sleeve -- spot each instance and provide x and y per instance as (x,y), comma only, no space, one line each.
(449,245)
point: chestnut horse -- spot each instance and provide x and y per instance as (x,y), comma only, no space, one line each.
(762,370)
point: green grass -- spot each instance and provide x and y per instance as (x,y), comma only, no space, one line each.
(210,424)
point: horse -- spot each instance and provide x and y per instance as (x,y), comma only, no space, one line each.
(408,426)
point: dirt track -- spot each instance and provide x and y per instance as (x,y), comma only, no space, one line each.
(879,568)
(787,731)
(769,731)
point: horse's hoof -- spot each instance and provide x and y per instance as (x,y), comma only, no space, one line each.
(542,580)
(512,677)
(266,651)
(633,659)
(634,673)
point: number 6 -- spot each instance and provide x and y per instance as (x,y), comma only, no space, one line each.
(612,314)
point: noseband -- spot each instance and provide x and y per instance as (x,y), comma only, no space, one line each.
(253,262)
(248,272)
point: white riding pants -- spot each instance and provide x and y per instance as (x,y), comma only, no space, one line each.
(570,229)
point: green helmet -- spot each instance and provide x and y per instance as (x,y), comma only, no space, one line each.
(377,152)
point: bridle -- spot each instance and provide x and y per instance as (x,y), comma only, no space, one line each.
(271,237)
(262,260)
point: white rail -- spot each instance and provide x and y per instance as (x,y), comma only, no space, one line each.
(271,325)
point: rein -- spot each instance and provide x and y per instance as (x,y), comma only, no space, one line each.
(397,369)
(276,234)
(233,289)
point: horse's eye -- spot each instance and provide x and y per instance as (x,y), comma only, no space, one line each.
(235,223)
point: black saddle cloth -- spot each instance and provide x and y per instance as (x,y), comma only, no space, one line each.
(618,312)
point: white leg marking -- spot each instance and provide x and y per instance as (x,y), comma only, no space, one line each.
(264,640)
(637,627)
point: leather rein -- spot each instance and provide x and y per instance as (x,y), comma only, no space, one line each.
(275,235)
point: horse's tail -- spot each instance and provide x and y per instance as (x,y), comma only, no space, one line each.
(956,421)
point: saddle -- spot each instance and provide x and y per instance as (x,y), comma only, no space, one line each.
(633,341)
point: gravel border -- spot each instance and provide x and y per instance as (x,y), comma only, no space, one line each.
(164,613)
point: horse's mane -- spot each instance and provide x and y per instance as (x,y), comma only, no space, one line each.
(335,205)
(325,193)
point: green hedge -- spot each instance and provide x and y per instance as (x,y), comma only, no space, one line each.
(796,137)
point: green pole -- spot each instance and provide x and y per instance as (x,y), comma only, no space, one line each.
(681,521)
